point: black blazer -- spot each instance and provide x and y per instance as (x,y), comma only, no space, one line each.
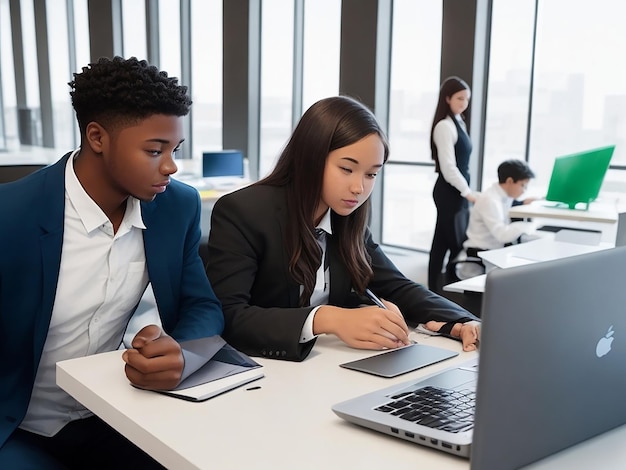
(248,269)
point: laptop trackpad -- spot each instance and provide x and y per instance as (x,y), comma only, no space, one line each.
(401,360)
(463,377)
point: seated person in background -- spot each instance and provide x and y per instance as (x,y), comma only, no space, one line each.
(290,257)
(490,226)
(81,239)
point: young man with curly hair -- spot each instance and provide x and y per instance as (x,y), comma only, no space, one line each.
(81,239)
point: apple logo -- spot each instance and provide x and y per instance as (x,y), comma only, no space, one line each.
(604,345)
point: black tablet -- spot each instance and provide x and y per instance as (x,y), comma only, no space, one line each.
(400,361)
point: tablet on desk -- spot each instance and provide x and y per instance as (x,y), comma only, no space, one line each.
(400,361)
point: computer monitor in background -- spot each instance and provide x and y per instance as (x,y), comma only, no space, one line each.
(577,178)
(223,163)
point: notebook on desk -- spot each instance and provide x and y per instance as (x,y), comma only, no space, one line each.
(552,357)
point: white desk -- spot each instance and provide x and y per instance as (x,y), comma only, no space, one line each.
(474,284)
(544,249)
(601,212)
(602,215)
(286,424)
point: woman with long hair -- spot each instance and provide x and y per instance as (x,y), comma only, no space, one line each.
(290,257)
(451,148)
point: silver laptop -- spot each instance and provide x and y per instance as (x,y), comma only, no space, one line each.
(620,236)
(552,373)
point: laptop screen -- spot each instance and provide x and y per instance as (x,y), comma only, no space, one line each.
(222,163)
(577,178)
(552,358)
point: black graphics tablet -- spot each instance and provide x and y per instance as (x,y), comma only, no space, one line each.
(400,361)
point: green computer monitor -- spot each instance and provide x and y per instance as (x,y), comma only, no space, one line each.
(577,178)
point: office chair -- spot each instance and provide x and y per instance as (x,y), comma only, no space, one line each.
(10,173)
(463,267)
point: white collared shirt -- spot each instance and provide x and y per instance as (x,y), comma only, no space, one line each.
(489,225)
(101,279)
(320,293)
(445,137)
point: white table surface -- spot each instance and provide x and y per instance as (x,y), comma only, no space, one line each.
(543,249)
(287,423)
(473,284)
(601,212)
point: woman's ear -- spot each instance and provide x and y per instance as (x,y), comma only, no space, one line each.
(97,137)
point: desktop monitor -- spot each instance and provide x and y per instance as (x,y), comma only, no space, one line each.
(222,163)
(577,178)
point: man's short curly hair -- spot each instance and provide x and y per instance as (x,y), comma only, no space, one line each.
(120,92)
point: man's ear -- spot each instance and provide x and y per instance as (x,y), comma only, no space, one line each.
(97,137)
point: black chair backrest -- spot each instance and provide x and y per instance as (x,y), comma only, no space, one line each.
(10,173)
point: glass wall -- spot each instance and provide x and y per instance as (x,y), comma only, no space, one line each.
(8,122)
(322,39)
(579,84)
(29,112)
(169,37)
(510,70)
(60,75)
(565,99)
(134,29)
(556,84)
(276,79)
(408,209)
(206,75)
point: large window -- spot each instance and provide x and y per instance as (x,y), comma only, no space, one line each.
(508,94)
(322,38)
(575,90)
(556,84)
(169,37)
(408,209)
(8,121)
(134,29)
(60,75)
(206,75)
(276,79)
(580,82)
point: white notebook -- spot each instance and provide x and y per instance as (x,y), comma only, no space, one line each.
(214,367)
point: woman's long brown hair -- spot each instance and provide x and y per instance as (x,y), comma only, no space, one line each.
(328,125)
(449,87)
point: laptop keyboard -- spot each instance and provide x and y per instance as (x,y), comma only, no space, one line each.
(437,408)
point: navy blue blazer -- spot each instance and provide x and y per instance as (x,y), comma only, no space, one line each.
(31,237)
(248,266)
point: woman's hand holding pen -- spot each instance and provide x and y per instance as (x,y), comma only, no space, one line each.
(156,361)
(368,327)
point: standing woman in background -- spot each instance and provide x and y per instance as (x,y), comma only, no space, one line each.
(451,148)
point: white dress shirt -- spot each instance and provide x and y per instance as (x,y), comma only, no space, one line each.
(319,296)
(445,137)
(101,279)
(490,226)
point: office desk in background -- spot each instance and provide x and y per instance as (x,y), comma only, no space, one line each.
(287,423)
(601,216)
(210,191)
(536,251)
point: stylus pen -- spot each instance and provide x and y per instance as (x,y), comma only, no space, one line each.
(380,303)
(375,299)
